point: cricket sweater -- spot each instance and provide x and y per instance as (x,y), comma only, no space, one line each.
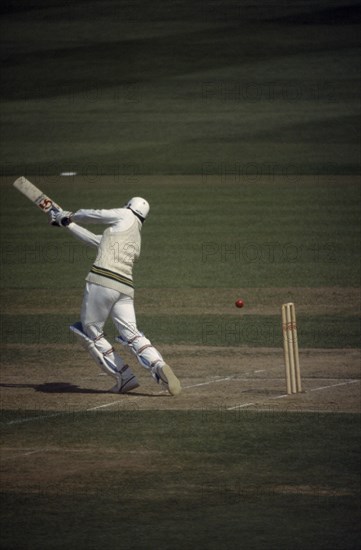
(118,249)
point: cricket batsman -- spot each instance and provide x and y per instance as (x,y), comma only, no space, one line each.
(109,291)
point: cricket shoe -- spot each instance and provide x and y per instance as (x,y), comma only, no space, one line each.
(126,381)
(163,374)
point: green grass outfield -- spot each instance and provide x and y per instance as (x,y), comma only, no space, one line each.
(315,331)
(279,233)
(102,86)
(201,479)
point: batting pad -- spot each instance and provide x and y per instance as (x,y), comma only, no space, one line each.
(104,362)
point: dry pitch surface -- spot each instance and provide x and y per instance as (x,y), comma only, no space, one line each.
(214,379)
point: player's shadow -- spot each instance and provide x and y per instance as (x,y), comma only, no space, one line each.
(63,387)
(54,387)
(66,387)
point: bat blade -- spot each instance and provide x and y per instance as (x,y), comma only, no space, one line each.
(34,194)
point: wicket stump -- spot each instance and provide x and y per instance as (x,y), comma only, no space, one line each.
(290,348)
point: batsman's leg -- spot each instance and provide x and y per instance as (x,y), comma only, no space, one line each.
(96,307)
(123,316)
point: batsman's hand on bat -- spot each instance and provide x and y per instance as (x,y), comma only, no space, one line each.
(59,218)
(51,216)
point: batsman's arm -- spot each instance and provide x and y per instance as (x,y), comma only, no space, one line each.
(111,216)
(83,235)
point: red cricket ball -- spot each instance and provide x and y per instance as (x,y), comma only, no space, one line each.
(239,303)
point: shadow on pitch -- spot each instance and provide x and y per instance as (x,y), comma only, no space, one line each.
(66,387)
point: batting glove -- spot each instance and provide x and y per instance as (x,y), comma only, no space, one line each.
(63,218)
(52,217)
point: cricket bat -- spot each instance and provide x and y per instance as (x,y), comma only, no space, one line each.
(36,196)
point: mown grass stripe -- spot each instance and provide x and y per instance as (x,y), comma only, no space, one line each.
(314,331)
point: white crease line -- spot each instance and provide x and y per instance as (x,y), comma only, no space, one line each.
(286,395)
(31,418)
(253,379)
(137,398)
(62,413)
(37,451)
(102,406)
(207,383)
(281,396)
(334,385)
(22,454)
(240,406)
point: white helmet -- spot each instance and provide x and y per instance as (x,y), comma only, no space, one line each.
(139,206)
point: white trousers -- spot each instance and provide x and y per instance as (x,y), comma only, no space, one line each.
(100,303)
